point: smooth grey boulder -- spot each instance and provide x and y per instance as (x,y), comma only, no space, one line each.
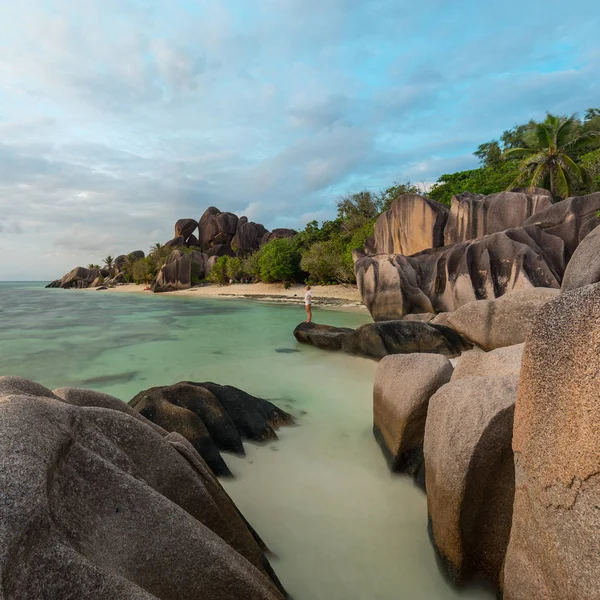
(185,228)
(554,548)
(584,267)
(496,363)
(469,473)
(97,504)
(325,337)
(79,277)
(248,238)
(492,324)
(404,383)
(278,234)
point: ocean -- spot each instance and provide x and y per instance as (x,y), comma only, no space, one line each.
(339,524)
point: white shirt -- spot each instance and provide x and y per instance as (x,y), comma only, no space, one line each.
(308,298)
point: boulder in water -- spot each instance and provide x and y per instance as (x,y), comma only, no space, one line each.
(404,383)
(99,504)
(469,474)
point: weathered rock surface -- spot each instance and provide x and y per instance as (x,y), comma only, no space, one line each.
(497,363)
(443,279)
(469,474)
(185,228)
(176,242)
(211,417)
(216,228)
(475,215)
(220,250)
(79,277)
(570,220)
(248,238)
(98,504)
(554,547)
(404,383)
(325,337)
(584,267)
(414,223)
(136,255)
(376,340)
(492,324)
(180,271)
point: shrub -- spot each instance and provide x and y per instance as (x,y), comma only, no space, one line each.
(279,260)
(139,271)
(325,262)
(234,267)
(218,273)
(250,266)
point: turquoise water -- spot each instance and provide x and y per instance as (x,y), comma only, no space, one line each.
(340,526)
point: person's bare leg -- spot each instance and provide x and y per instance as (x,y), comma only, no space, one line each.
(308,313)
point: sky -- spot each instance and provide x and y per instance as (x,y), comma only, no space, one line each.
(118,117)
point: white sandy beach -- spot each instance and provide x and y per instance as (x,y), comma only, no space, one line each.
(340,296)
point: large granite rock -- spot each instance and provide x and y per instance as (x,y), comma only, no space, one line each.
(211,417)
(584,267)
(98,504)
(176,242)
(376,340)
(277,234)
(404,383)
(497,363)
(492,324)
(180,271)
(475,216)
(413,223)
(554,548)
(443,279)
(185,228)
(136,255)
(79,277)
(216,228)
(248,238)
(469,474)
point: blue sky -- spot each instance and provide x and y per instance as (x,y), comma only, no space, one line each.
(117,117)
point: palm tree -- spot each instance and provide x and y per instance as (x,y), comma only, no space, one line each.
(550,157)
(108,261)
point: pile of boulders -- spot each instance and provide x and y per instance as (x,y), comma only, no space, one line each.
(506,444)
(426,258)
(98,502)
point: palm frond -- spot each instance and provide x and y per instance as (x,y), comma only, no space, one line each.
(518,152)
(543,134)
(561,183)
(539,174)
(568,164)
(565,131)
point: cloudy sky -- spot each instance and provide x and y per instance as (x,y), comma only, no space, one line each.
(117,117)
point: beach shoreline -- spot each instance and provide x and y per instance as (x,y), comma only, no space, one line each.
(340,297)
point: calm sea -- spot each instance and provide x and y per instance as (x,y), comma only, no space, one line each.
(322,498)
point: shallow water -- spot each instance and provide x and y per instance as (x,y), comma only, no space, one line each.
(321,497)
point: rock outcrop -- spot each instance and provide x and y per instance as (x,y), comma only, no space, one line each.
(180,271)
(443,279)
(185,228)
(79,277)
(403,386)
(496,245)
(475,215)
(278,234)
(469,474)
(211,417)
(376,340)
(248,238)
(216,228)
(492,324)
(554,547)
(98,504)
(584,267)
(412,224)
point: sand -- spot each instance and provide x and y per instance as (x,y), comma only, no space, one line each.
(340,296)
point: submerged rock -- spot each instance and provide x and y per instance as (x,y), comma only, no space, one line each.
(99,504)
(554,549)
(211,417)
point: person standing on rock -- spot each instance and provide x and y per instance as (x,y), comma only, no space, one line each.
(308,303)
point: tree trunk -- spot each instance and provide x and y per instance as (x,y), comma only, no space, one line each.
(552,181)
